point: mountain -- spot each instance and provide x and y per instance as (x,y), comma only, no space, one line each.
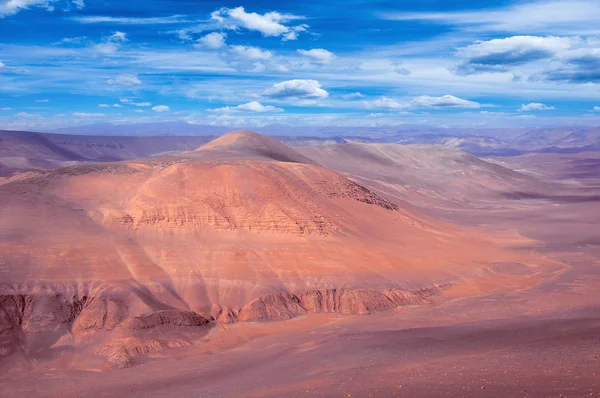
(28,150)
(425,175)
(122,258)
(143,129)
(558,139)
(249,145)
(22,150)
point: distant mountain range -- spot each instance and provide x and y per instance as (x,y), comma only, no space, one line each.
(478,141)
(107,142)
(21,150)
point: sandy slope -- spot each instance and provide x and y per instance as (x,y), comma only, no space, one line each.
(242,229)
(425,175)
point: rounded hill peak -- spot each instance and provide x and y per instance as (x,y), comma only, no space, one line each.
(251,145)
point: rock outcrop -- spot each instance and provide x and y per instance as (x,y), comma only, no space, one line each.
(282,306)
(26,321)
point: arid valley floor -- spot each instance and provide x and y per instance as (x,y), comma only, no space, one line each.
(247,267)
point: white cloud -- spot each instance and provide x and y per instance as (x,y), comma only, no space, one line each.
(535,106)
(597,109)
(139,111)
(2,66)
(499,55)
(125,80)
(42,101)
(106,48)
(11,7)
(175,19)
(253,106)
(118,36)
(79,3)
(293,32)
(297,90)
(117,106)
(443,102)
(6,108)
(251,53)
(84,115)
(423,102)
(161,108)
(352,95)
(111,44)
(213,40)
(269,24)
(318,55)
(558,16)
(384,103)
(103,106)
(535,59)
(72,40)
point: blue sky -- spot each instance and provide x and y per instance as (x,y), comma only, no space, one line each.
(328,63)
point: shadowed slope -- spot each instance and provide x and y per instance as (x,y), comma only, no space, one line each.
(424,174)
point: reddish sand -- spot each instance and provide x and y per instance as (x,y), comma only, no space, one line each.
(164,237)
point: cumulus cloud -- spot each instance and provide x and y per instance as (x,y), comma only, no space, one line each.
(318,55)
(535,106)
(84,115)
(296,90)
(252,59)
(271,24)
(581,65)
(253,106)
(161,108)
(499,55)
(551,59)
(597,109)
(125,80)
(111,44)
(251,53)
(78,3)
(213,41)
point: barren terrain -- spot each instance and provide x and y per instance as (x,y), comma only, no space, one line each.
(248,268)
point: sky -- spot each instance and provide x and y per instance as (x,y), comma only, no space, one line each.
(327,63)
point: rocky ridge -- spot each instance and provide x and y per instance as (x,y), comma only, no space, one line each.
(24,318)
